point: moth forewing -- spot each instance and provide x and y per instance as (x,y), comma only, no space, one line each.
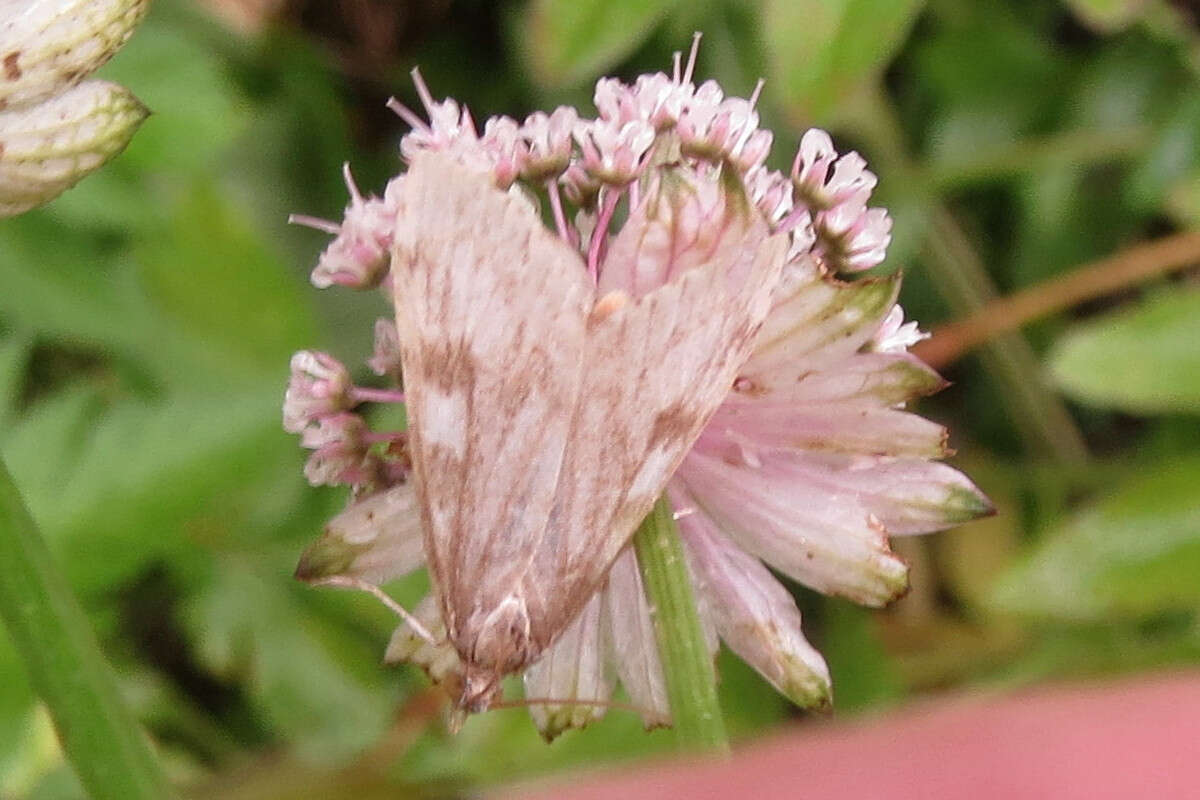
(657,369)
(545,423)
(491,311)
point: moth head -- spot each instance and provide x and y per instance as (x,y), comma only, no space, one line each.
(498,639)
(480,687)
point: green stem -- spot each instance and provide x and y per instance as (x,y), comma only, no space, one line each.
(687,664)
(104,743)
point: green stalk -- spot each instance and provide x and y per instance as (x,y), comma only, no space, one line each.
(110,753)
(687,666)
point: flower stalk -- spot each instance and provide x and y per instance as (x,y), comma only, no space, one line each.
(686,662)
(100,737)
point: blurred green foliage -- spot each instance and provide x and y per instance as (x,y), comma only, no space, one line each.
(147,316)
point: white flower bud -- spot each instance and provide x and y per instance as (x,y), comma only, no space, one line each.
(47,148)
(47,46)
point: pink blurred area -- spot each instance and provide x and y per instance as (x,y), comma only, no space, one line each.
(1131,739)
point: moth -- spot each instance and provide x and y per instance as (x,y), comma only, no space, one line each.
(547,409)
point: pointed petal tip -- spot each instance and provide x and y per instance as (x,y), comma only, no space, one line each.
(324,558)
(892,584)
(655,722)
(966,504)
(558,722)
(809,690)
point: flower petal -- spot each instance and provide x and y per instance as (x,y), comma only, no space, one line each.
(836,427)
(817,321)
(572,669)
(375,539)
(906,496)
(825,540)
(754,614)
(632,642)
(440,661)
(883,379)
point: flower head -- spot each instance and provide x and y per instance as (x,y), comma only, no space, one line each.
(808,466)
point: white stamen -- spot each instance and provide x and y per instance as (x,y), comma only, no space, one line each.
(423,91)
(691,63)
(757,91)
(355,195)
(405,113)
(316,223)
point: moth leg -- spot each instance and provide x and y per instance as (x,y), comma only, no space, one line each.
(346,582)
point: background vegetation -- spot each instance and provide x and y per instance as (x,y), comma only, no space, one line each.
(147,317)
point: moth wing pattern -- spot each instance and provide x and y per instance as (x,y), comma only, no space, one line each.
(657,368)
(492,313)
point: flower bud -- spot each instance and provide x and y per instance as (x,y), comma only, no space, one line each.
(51,45)
(549,142)
(614,155)
(46,149)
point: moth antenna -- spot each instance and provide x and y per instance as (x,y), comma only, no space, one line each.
(615,705)
(346,582)
(351,186)
(405,113)
(316,223)
(691,62)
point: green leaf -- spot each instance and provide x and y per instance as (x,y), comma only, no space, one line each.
(864,675)
(569,42)
(822,51)
(212,300)
(250,627)
(14,360)
(140,481)
(197,111)
(1135,553)
(1183,200)
(214,278)
(17,727)
(1108,16)
(1142,360)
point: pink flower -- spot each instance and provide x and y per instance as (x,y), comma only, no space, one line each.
(850,236)
(358,255)
(319,386)
(810,464)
